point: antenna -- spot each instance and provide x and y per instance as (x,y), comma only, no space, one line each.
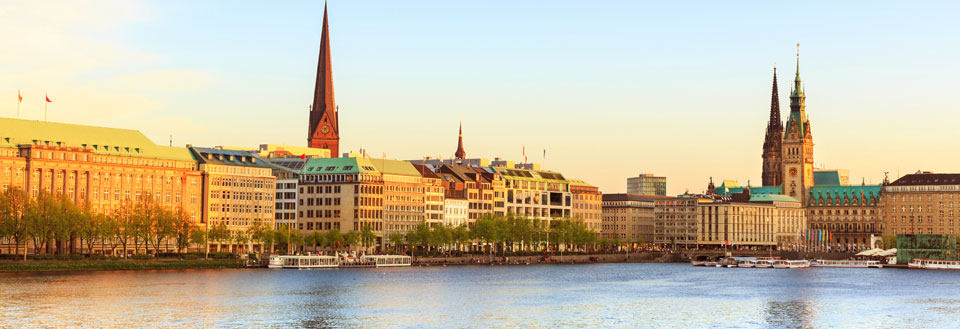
(171,139)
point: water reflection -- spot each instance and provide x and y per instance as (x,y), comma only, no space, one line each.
(601,295)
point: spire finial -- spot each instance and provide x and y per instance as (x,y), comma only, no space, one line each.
(798,59)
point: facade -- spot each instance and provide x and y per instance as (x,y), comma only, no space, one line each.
(239,191)
(455,211)
(471,184)
(536,194)
(922,203)
(764,221)
(850,213)
(797,145)
(675,221)
(773,141)
(104,168)
(287,171)
(324,129)
(340,193)
(403,196)
(433,195)
(587,204)
(629,217)
(647,184)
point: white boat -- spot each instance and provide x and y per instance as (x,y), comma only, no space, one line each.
(847,263)
(791,264)
(710,264)
(697,262)
(388,260)
(934,264)
(747,263)
(763,264)
(303,262)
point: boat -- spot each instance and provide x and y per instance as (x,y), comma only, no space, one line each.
(934,264)
(711,263)
(697,262)
(301,262)
(763,264)
(747,264)
(387,260)
(847,263)
(791,263)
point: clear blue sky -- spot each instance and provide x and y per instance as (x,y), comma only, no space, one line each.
(610,89)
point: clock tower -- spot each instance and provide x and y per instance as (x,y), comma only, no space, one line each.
(797,147)
(324,129)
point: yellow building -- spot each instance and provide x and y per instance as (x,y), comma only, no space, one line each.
(403,196)
(340,193)
(763,220)
(103,168)
(922,203)
(629,217)
(239,191)
(536,194)
(587,204)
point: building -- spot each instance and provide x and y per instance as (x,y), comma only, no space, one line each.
(433,195)
(471,184)
(629,217)
(324,129)
(587,204)
(455,211)
(286,151)
(797,145)
(460,154)
(536,194)
(922,203)
(340,193)
(104,168)
(647,184)
(850,213)
(773,141)
(675,221)
(287,170)
(239,191)
(403,196)
(761,221)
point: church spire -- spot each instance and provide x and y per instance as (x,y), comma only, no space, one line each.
(773,141)
(324,129)
(460,154)
(775,101)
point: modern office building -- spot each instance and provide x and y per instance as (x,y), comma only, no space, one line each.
(647,184)
(629,217)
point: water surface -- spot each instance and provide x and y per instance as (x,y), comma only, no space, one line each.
(595,295)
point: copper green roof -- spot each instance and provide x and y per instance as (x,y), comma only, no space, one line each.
(100,140)
(325,166)
(826,178)
(834,195)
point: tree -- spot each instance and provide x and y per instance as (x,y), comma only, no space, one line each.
(199,237)
(334,238)
(257,233)
(160,224)
(396,239)
(296,239)
(14,206)
(183,228)
(123,226)
(218,233)
(40,220)
(460,235)
(367,237)
(351,238)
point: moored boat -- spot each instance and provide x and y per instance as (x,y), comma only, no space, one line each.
(934,264)
(387,260)
(747,264)
(302,262)
(791,263)
(763,264)
(847,263)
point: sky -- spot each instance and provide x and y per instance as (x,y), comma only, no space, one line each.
(609,89)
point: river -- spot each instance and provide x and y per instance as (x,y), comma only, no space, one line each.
(587,295)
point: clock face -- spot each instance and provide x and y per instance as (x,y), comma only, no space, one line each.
(793,172)
(325,129)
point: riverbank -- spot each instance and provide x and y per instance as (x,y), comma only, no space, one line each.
(540,259)
(115,264)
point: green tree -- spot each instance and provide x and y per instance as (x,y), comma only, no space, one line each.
(367,237)
(334,238)
(351,238)
(460,235)
(14,209)
(396,240)
(199,237)
(183,228)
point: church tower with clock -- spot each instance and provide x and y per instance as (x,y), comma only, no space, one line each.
(324,129)
(797,147)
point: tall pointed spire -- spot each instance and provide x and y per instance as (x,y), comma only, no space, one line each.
(772,145)
(324,129)
(460,154)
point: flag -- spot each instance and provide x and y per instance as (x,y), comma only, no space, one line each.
(48,98)
(338,243)
(19,98)
(303,156)
(524,154)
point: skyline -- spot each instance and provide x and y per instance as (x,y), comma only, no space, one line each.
(712,107)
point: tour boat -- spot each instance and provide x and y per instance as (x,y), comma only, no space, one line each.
(387,260)
(763,264)
(847,263)
(747,263)
(304,262)
(791,264)
(710,263)
(934,264)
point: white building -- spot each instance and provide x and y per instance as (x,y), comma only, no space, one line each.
(456,211)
